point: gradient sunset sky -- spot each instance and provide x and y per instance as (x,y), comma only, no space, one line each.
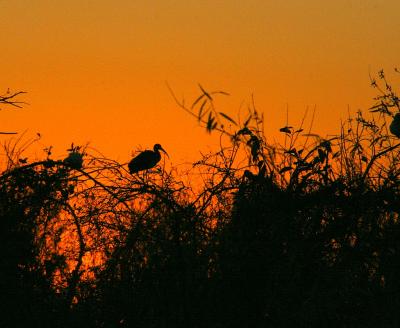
(95,71)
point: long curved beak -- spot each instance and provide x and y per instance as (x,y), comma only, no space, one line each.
(163,150)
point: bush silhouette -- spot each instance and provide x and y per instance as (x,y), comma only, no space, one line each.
(263,235)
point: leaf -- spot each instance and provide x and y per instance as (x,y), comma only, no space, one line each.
(196,101)
(311,135)
(227,118)
(285,169)
(262,170)
(210,122)
(247,121)
(292,151)
(379,109)
(321,155)
(377,105)
(245,130)
(254,153)
(327,145)
(221,92)
(316,160)
(205,92)
(286,129)
(201,110)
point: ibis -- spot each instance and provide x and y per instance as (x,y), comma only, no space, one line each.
(146,159)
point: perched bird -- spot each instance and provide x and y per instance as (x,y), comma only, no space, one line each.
(146,159)
(395,125)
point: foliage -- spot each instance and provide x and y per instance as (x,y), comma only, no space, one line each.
(301,234)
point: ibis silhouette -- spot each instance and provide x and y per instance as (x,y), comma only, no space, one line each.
(146,159)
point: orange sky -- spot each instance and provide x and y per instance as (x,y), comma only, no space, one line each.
(95,71)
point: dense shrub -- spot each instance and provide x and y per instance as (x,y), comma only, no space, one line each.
(256,235)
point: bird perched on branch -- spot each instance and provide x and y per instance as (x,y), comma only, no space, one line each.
(395,125)
(146,159)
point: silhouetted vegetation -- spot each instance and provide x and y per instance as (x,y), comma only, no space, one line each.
(303,234)
(9,99)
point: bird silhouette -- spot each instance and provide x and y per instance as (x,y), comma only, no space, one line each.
(146,159)
(395,125)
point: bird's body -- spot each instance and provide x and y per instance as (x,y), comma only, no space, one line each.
(146,159)
(395,125)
